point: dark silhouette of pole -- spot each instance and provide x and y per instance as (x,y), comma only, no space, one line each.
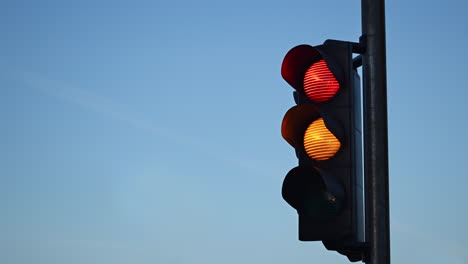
(375,131)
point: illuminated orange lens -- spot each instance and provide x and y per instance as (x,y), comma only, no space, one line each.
(319,142)
(320,84)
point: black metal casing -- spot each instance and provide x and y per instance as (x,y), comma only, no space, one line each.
(342,115)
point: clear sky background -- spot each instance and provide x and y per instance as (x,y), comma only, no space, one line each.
(149,131)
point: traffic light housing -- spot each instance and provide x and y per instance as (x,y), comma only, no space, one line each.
(325,129)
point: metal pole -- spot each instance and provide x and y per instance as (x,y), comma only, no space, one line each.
(375,131)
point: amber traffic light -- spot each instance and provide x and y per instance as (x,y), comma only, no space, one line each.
(319,142)
(324,128)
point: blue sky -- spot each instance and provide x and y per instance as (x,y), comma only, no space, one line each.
(149,131)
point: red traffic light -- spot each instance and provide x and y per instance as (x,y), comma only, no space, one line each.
(307,71)
(320,85)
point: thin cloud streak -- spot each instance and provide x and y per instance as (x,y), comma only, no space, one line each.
(91,101)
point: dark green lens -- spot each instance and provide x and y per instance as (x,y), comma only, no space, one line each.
(321,206)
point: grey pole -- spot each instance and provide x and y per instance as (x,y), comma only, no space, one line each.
(375,131)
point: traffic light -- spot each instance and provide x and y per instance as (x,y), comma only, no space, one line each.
(325,130)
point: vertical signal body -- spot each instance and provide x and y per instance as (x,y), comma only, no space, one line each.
(325,128)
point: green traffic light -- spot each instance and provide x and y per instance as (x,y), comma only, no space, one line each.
(313,193)
(321,206)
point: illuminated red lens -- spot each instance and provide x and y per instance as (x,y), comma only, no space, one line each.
(320,84)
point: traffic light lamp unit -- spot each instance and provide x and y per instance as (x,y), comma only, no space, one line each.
(325,129)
